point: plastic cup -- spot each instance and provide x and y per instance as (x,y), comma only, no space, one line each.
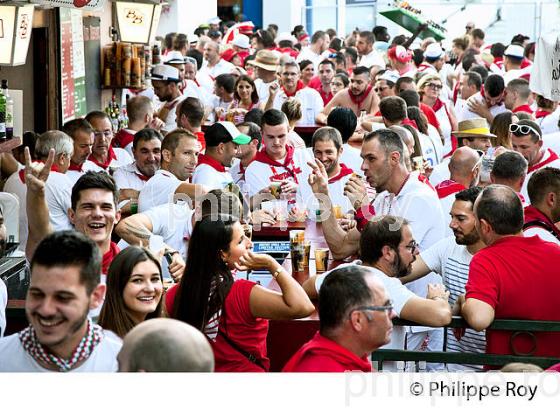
(321,259)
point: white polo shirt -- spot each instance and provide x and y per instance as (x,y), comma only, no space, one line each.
(549,159)
(160,189)
(260,174)
(103,359)
(173,222)
(311,104)
(210,173)
(129,177)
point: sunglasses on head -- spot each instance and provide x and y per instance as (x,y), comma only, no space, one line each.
(523,130)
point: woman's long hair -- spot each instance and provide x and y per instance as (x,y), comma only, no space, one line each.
(207,279)
(254,93)
(500,128)
(115,314)
(418,116)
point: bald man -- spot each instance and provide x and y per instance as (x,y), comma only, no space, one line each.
(165,345)
(464,168)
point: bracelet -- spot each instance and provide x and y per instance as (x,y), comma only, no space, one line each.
(277,272)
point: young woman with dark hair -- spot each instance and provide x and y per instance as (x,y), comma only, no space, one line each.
(232,313)
(134,291)
(245,98)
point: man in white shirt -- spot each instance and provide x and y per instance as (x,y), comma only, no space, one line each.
(103,156)
(278,161)
(165,81)
(179,156)
(327,148)
(64,287)
(140,111)
(526,138)
(131,178)
(451,260)
(246,153)
(213,64)
(316,52)
(266,63)
(224,87)
(292,86)
(368,57)
(487,103)
(222,142)
(400,194)
(345,121)
(513,57)
(81,133)
(389,250)
(543,214)
(187,86)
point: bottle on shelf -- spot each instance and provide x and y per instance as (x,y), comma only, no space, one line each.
(9,111)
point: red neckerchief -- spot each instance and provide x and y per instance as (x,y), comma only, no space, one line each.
(205,159)
(448,187)
(21,173)
(105,164)
(344,170)
(141,175)
(74,167)
(523,108)
(122,139)
(424,66)
(326,97)
(108,257)
(551,158)
(299,86)
(358,100)
(408,121)
(288,164)
(541,113)
(455,92)
(438,105)
(533,214)
(201,139)
(424,179)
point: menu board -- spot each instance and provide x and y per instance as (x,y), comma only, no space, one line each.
(72,64)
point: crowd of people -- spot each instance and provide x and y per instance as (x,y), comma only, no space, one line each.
(435,171)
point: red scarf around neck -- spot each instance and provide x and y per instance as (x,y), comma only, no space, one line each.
(532,214)
(299,86)
(344,171)
(448,187)
(551,158)
(205,159)
(105,164)
(541,113)
(288,163)
(74,167)
(359,99)
(21,172)
(108,257)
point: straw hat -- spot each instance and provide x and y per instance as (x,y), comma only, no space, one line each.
(475,127)
(266,59)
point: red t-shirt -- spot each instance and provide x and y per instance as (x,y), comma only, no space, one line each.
(240,326)
(519,278)
(321,354)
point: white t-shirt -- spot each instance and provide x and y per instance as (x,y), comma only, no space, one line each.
(15,186)
(210,177)
(122,159)
(173,222)
(464,113)
(13,358)
(128,177)
(311,104)
(207,75)
(160,189)
(552,141)
(351,157)
(441,172)
(541,233)
(429,149)
(542,164)
(263,90)
(452,261)
(193,90)
(171,119)
(419,205)
(549,124)
(371,59)
(3,304)
(259,175)
(308,54)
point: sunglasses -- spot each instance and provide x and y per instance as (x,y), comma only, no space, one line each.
(523,130)
(434,86)
(380,89)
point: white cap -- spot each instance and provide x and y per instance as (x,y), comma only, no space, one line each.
(433,50)
(164,72)
(214,20)
(390,75)
(241,40)
(515,51)
(193,38)
(285,36)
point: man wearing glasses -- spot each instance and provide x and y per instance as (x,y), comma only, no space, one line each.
(103,155)
(388,250)
(526,138)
